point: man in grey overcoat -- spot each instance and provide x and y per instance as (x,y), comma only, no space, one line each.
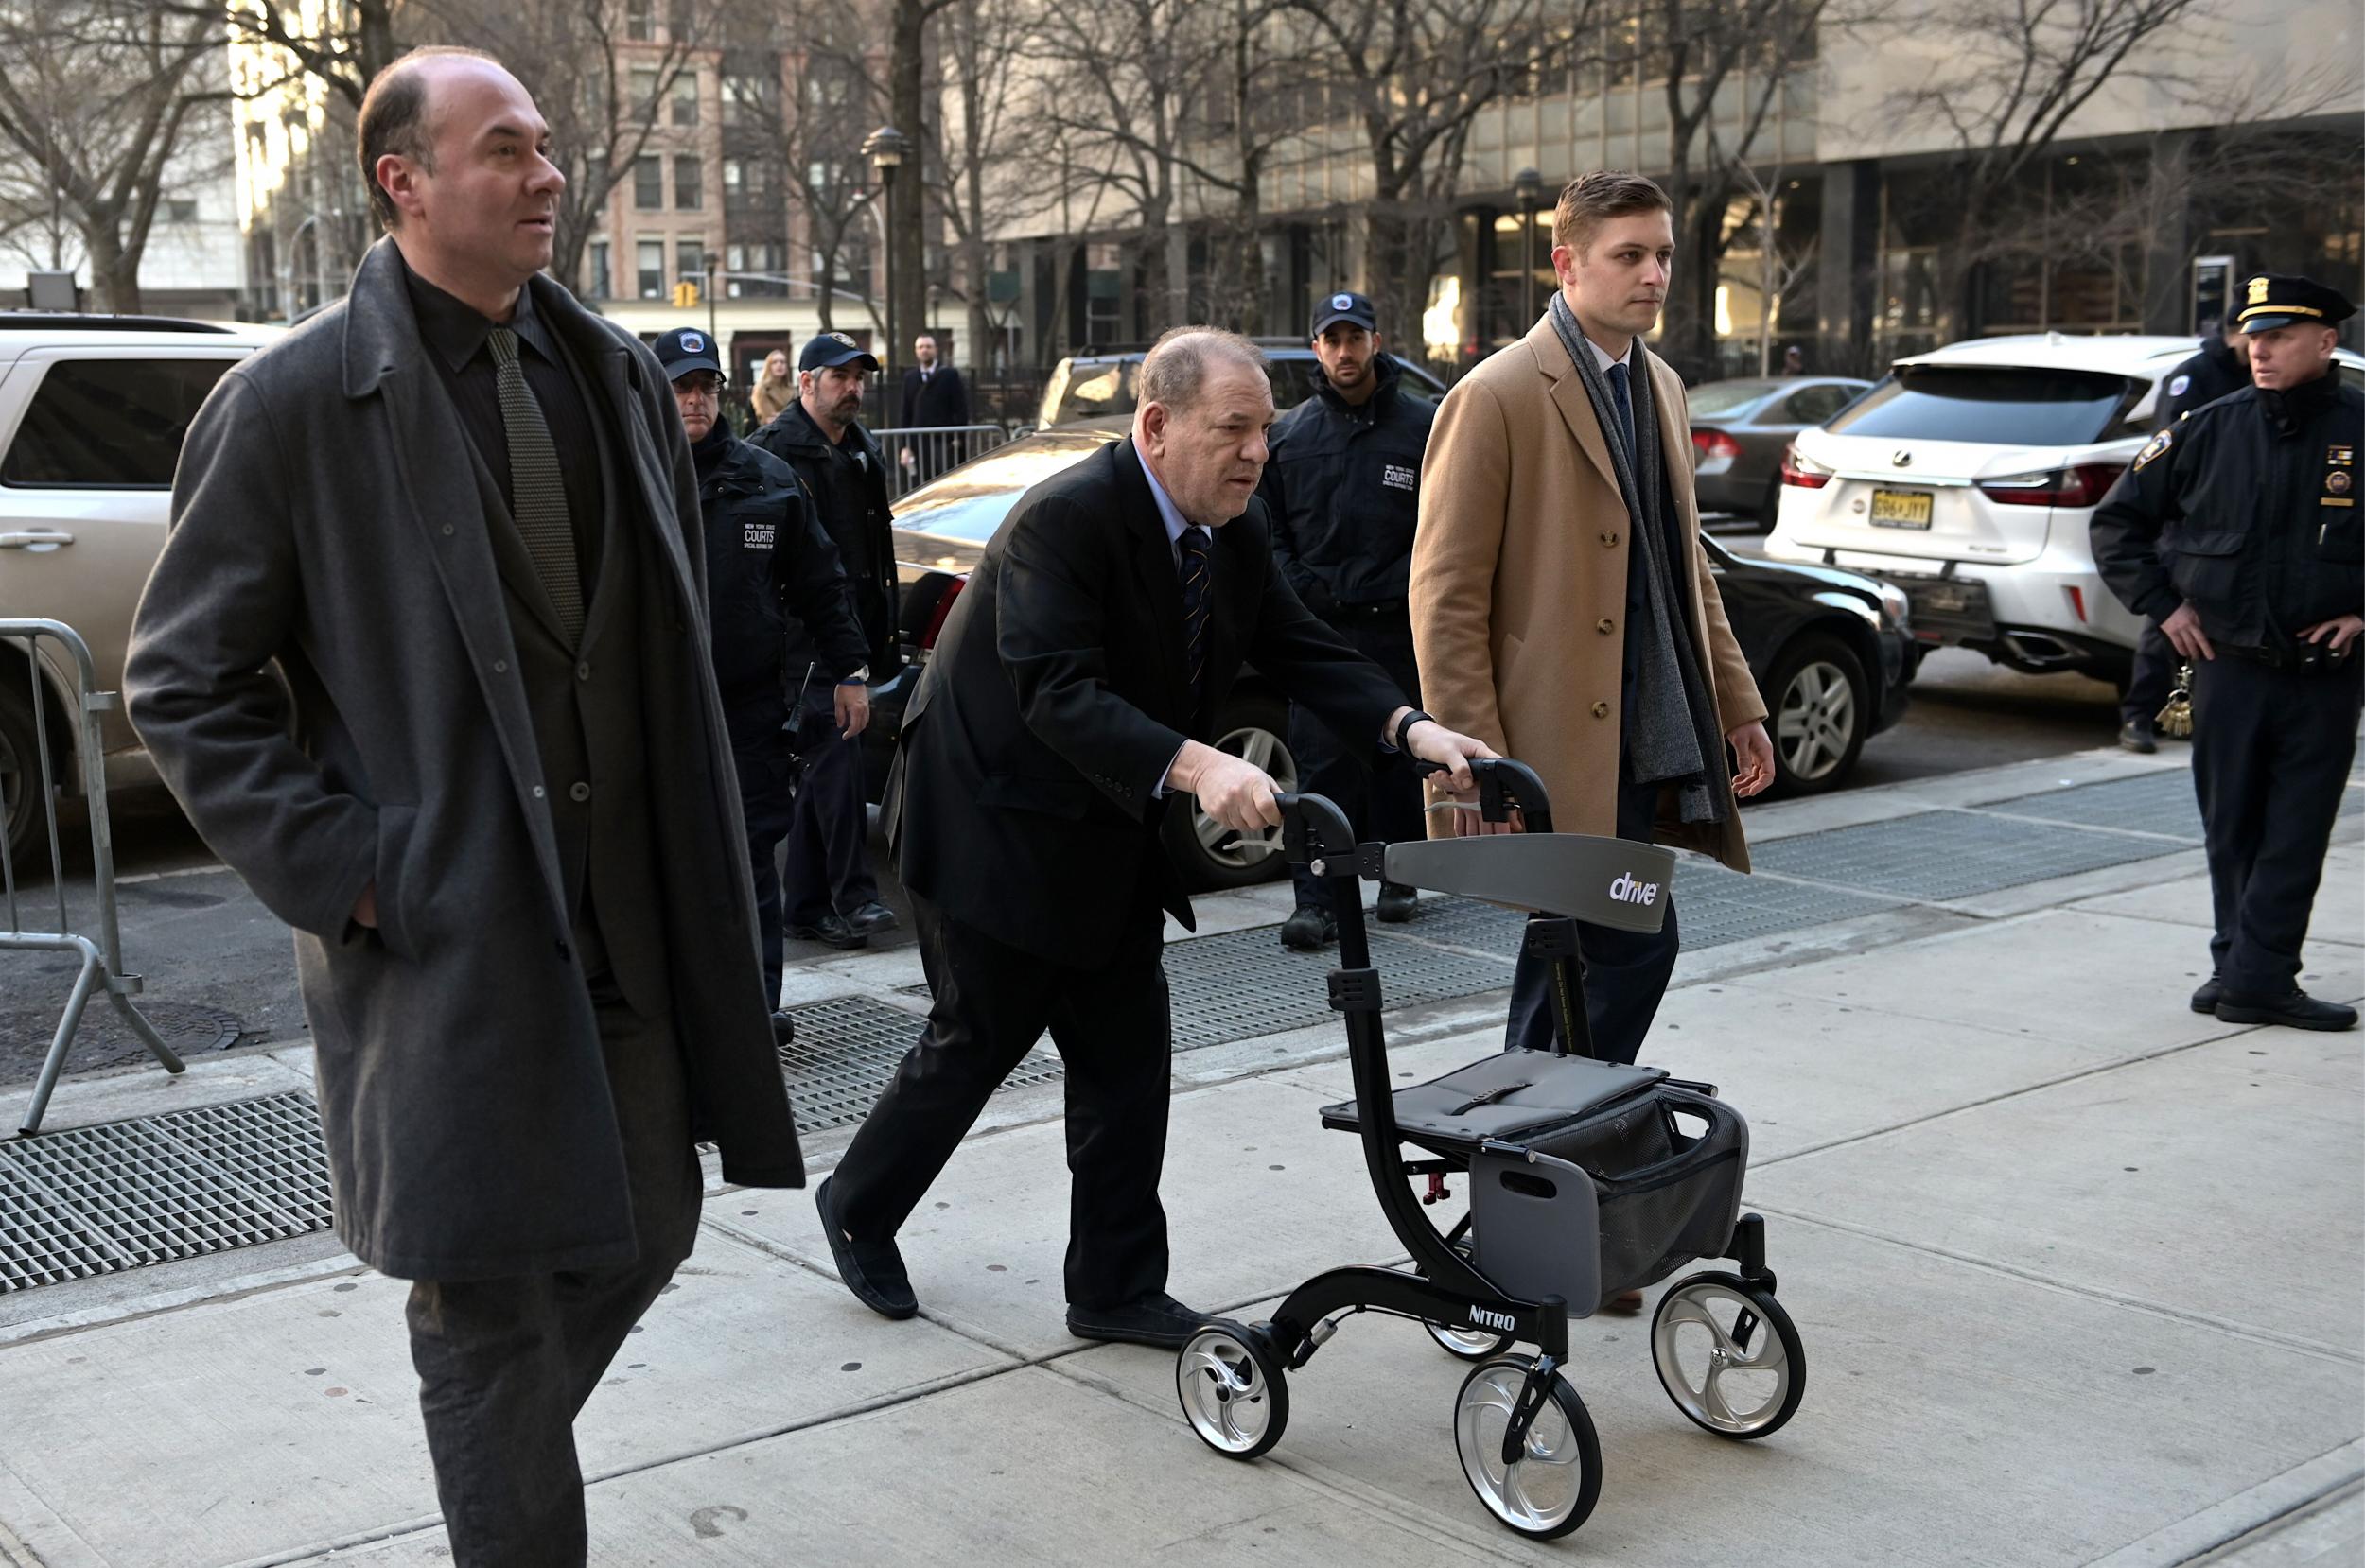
(457,513)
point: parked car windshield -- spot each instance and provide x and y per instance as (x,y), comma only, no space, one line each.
(1997,405)
(971,501)
(1096,389)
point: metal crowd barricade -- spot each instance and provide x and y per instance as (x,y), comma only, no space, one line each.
(933,450)
(102,960)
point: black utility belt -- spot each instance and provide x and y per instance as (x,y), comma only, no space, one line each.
(2307,658)
(1394,609)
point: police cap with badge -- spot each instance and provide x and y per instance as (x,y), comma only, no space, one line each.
(2273,300)
(827,350)
(1343,306)
(684,349)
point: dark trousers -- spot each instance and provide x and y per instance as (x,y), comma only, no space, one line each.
(2272,750)
(504,1365)
(2152,677)
(992,1003)
(1625,972)
(1377,790)
(829,837)
(767,798)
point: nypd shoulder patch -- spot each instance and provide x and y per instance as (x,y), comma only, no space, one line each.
(2178,384)
(2154,447)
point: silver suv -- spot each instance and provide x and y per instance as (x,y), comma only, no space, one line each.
(93,409)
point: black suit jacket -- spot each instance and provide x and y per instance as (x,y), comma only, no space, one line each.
(1057,698)
(939,402)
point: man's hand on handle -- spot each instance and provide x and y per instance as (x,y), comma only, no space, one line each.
(1233,790)
(1755,750)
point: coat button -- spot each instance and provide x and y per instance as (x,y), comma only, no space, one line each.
(501,667)
(1601,710)
(1610,539)
(582,670)
(447,531)
(537,792)
(1605,626)
(578,793)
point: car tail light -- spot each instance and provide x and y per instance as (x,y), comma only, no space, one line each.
(2078,600)
(944,607)
(1803,472)
(1707,444)
(2083,485)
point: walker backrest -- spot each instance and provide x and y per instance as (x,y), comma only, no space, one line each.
(1613,883)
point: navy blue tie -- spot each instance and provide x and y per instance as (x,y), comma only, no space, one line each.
(1196,604)
(1625,406)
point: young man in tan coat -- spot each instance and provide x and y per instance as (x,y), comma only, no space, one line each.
(1563,611)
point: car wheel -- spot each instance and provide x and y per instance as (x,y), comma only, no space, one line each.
(1822,707)
(22,789)
(1254,726)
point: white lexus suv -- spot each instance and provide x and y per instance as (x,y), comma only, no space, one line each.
(1967,478)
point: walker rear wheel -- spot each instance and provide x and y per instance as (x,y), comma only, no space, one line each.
(1728,1355)
(1553,1483)
(1233,1391)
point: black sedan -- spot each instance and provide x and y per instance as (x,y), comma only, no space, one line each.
(1741,429)
(1830,648)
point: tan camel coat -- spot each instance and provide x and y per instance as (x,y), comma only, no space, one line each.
(1518,592)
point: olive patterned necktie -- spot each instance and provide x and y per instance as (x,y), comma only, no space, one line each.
(1195,605)
(537,494)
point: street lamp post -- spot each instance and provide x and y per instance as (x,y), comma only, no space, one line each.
(1530,186)
(886,147)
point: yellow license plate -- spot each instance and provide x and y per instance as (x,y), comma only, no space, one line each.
(1900,508)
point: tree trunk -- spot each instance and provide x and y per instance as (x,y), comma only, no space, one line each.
(1397,248)
(906,198)
(114,270)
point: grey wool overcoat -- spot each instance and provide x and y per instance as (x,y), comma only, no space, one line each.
(326,520)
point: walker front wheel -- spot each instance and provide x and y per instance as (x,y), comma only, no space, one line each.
(1551,1484)
(1233,1391)
(1728,1355)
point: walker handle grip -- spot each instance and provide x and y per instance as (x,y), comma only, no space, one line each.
(1504,785)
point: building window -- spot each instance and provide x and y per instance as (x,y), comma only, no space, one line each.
(643,105)
(733,171)
(640,19)
(177,210)
(649,260)
(686,99)
(688,182)
(595,273)
(648,183)
(689,261)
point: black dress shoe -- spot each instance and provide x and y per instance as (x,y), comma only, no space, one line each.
(2205,998)
(1160,1322)
(1396,902)
(874,917)
(2136,737)
(2294,1009)
(1308,930)
(872,1270)
(832,928)
(783,1029)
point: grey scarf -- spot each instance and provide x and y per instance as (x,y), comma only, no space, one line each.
(1673,730)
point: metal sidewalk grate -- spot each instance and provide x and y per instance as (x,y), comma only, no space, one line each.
(1945,855)
(847,1048)
(96,1200)
(1244,983)
(2155,803)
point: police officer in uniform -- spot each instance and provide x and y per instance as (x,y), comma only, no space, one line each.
(1343,486)
(2222,366)
(766,560)
(831,895)
(2253,502)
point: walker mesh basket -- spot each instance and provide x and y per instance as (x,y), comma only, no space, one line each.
(1663,1196)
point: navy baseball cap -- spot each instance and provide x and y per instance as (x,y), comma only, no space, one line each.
(1344,307)
(685,349)
(2272,300)
(825,349)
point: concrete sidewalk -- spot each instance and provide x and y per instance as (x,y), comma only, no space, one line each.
(2080,1277)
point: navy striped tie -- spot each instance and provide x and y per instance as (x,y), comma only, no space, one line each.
(1195,605)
